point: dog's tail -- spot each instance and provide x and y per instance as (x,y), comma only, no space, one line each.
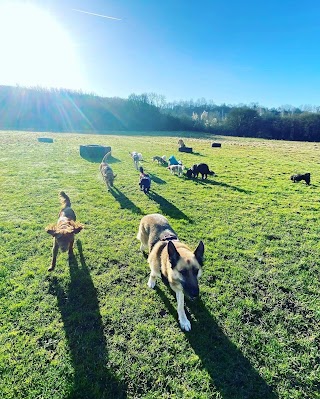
(104,159)
(65,200)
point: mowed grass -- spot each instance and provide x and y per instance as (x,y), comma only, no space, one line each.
(93,329)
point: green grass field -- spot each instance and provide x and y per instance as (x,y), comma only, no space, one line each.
(93,329)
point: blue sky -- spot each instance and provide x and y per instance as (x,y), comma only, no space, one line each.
(227,51)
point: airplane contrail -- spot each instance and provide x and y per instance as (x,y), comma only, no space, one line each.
(97,15)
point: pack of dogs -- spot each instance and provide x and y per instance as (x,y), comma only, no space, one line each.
(168,257)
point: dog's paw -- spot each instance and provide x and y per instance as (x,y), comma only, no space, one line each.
(185,324)
(151,283)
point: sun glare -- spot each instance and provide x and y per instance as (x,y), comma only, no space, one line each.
(35,50)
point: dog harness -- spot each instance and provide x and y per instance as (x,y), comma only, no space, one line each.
(169,237)
(165,237)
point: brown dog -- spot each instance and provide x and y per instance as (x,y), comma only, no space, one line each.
(63,232)
(107,172)
(172,259)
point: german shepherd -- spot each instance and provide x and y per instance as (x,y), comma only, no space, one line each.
(63,232)
(172,259)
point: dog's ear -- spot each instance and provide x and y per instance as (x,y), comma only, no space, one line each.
(77,228)
(198,253)
(173,254)
(51,229)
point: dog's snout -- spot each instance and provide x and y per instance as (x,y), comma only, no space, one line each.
(191,291)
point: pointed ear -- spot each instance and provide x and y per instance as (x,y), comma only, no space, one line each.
(198,253)
(173,254)
(77,228)
(51,229)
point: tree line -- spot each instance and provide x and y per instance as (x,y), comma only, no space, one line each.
(61,110)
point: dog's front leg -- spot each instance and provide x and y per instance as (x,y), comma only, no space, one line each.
(183,320)
(70,252)
(55,250)
(154,273)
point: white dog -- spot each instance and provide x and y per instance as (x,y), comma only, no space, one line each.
(176,169)
(136,156)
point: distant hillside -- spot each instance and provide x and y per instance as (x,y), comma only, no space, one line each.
(62,110)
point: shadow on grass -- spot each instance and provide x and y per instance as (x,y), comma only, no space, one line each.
(167,208)
(124,201)
(83,326)
(157,179)
(216,183)
(98,159)
(198,154)
(230,371)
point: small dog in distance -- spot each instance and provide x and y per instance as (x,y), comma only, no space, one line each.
(107,172)
(160,160)
(203,169)
(176,169)
(306,177)
(145,181)
(136,156)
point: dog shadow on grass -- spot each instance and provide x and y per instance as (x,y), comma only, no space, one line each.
(230,371)
(98,159)
(218,183)
(157,179)
(83,326)
(198,154)
(124,201)
(167,207)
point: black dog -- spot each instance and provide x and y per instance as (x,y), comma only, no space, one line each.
(306,177)
(203,169)
(189,173)
(145,181)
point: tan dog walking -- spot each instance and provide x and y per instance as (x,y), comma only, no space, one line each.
(173,259)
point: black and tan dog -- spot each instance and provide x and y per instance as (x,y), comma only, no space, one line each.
(172,259)
(306,177)
(63,232)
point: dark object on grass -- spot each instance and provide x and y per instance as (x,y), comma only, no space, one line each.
(203,169)
(45,140)
(306,177)
(185,149)
(189,173)
(216,145)
(94,152)
(145,181)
